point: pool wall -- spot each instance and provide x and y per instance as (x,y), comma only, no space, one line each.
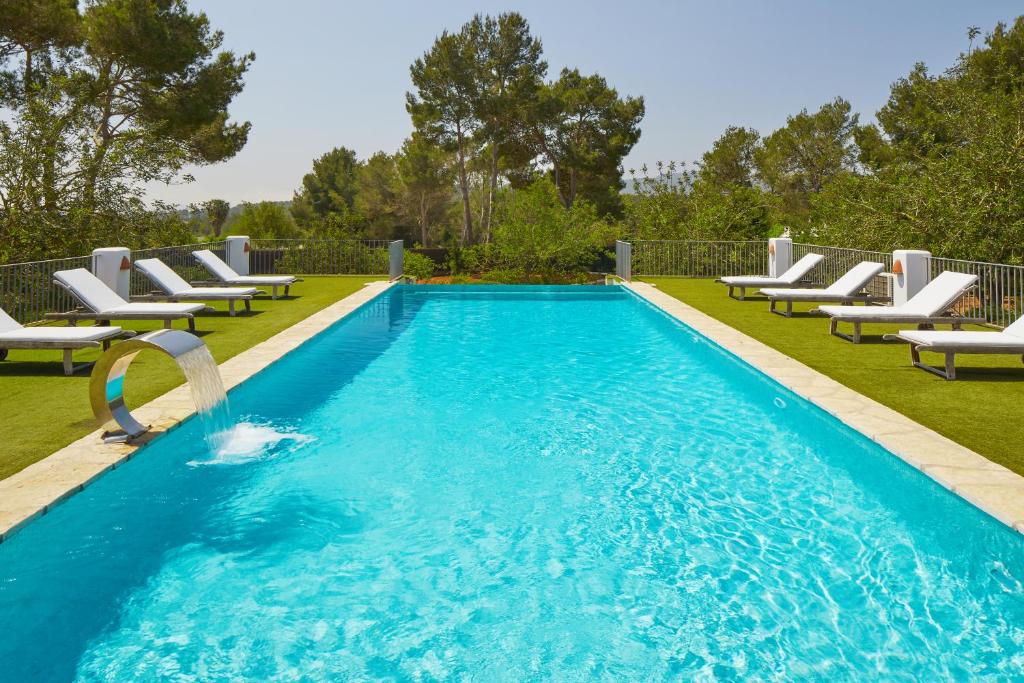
(991,487)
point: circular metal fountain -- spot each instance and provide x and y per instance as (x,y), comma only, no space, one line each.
(106,383)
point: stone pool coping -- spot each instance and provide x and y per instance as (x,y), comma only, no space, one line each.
(989,486)
(34,490)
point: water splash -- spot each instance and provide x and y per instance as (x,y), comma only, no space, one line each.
(208,394)
(247,441)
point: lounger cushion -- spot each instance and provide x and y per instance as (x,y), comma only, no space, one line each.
(799,294)
(869,312)
(220,270)
(162,275)
(796,272)
(752,280)
(89,289)
(939,294)
(965,340)
(217,292)
(932,301)
(60,334)
(1016,328)
(156,310)
(856,279)
(7,323)
(225,273)
(262,279)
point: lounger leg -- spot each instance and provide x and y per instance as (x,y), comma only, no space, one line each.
(248,306)
(833,329)
(950,371)
(730,292)
(231,307)
(771,306)
(191,325)
(789,309)
(167,323)
(273,292)
(69,367)
(743,293)
(956,325)
(286,288)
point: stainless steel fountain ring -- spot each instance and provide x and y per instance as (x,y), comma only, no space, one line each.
(106,383)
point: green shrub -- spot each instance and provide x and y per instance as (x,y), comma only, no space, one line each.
(534,233)
(504,277)
(418,266)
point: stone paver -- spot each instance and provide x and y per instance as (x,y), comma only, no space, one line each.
(37,488)
(987,485)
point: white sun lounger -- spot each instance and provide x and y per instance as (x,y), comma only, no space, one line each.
(103,304)
(174,288)
(14,336)
(226,275)
(1009,341)
(930,306)
(846,290)
(791,278)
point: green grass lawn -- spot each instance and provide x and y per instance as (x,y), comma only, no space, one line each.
(42,410)
(982,409)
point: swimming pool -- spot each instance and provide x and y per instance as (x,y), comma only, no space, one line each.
(506,483)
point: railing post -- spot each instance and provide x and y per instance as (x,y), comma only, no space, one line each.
(912,269)
(780,255)
(113,265)
(236,252)
(624,260)
(396,259)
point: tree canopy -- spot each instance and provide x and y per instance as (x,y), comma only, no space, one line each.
(100,101)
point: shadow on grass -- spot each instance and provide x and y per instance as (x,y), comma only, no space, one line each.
(12,367)
(240,314)
(873,340)
(975,374)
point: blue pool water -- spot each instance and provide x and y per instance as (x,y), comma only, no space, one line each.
(508,484)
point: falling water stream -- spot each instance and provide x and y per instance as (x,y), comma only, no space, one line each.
(229,442)
(209,395)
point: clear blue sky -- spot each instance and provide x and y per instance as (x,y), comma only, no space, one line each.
(331,73)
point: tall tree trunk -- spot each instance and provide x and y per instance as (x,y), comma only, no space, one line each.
(558,186)
(92,177)
(423,218)
(29,73)
(492,190)
(467,211)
